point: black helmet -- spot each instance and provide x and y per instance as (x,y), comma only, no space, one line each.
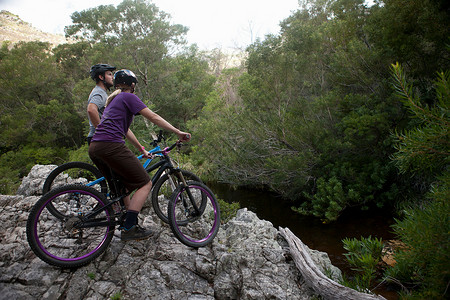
(100,69)
(126,77)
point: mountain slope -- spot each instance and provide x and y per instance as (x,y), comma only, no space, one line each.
(14,30)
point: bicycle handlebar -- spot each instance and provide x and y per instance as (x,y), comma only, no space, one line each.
(158,139)
(167,149)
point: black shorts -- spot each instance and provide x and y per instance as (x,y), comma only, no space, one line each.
(121,160)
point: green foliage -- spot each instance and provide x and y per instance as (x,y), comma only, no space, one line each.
(425,147)
(328,201)
(9,181)
(14,165)
(181,96)
(414,33)
(80,154)
(45,89)
(313,114)
(425,228)
(363,255)
(423,266)
(116,296)
(227,210)
(75,59)
(36,108)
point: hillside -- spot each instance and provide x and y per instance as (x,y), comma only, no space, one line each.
(13,29)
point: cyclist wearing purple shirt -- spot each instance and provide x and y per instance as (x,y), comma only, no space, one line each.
(108,150)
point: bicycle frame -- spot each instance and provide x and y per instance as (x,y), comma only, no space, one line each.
(145,165)
(167,163)
(162,166)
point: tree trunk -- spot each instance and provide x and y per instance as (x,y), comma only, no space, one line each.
(320,283)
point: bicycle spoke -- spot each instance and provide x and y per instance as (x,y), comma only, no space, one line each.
(194,227)
(163,190)
(65,241)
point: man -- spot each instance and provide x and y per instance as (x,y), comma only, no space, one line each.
(102,74)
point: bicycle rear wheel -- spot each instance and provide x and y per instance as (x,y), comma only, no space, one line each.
(163,190)
(76,239)
(70,173)
(194,226)
(75,172)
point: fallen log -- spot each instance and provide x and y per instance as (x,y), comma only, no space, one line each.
(320,283)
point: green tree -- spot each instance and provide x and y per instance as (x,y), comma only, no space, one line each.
(37,123)
(315,111)
(425,148)
(29,72)
(425,227)
(182,92)
(299,126)
(414,33)
(36,108)
(137,35)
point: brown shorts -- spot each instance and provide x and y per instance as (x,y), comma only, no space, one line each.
(121,160)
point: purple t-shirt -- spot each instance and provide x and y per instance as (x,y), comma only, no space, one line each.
(117,118)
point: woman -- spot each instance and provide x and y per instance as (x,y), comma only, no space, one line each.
(108,150)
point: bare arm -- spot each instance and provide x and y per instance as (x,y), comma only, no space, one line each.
(160,122)
(133,140)
(92,111)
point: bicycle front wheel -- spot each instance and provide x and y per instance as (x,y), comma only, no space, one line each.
(80,236)
(194,214)
(163,190)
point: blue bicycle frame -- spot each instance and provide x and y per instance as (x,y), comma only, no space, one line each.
(146,164)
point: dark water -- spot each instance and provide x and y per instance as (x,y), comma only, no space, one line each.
(316,235)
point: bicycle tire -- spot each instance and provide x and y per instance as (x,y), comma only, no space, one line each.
(194,230)
(78,170)
(89,168)
(65,242)
(162,191)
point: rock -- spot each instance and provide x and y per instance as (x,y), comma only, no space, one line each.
(33,183)
(247,260)
(390,247)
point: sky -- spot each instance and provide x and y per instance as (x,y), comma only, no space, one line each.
(211,23)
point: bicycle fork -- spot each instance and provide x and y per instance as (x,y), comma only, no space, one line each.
(184,185)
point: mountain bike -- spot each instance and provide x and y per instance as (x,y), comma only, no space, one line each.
(163,181)
(89,219)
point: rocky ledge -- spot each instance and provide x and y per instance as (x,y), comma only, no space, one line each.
(247,260)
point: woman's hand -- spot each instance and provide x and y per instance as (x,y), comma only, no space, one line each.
(147,154)
(184,136)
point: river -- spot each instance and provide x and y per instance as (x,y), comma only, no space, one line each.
(316,235)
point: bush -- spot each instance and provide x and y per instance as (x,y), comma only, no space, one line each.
(423,267)
(14,165)
(228,210)
(363,255)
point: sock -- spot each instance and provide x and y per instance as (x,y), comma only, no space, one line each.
(130,219)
